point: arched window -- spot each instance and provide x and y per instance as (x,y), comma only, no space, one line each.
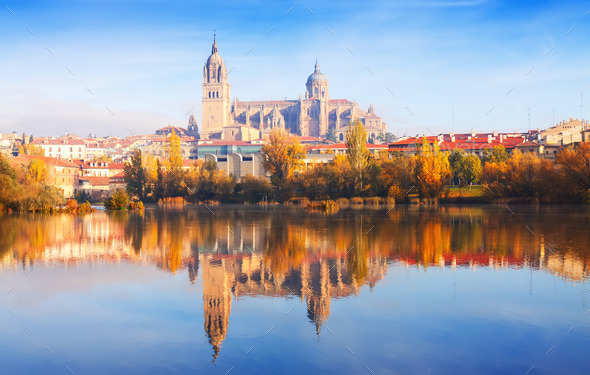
(217,94)
(209,95)
(341,136)
(315,91)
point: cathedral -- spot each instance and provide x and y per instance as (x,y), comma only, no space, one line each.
(311,115)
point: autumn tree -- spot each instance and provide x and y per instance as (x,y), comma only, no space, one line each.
(397,173)
(136,176)
(175,183)
(431,170)
(357,152)
(29,149)
(497,154)
(575,165)
(282,156)
(206,182)
(254,189)
(38,170)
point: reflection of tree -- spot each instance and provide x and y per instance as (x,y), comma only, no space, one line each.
(288,238)
(357,254)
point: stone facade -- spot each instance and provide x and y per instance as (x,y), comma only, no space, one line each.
(311,115)
(565,133)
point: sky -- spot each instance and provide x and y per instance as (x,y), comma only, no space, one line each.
(428,66)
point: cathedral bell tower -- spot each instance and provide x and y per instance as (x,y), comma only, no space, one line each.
(216,100)
(317,90)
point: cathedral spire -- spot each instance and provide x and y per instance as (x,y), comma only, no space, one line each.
(317,67)
(214,47)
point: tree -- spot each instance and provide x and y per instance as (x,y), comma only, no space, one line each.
(206,182)
(469,169)
(282,156)
(159,184)
(118,201)
(38,170)
(174,153)
(356,149)
(29,149)
(175,175)
(497,154)
(255,189)
(136,176)
(386,137)
(431,171)
(575,164)
(331,136)
(102,159)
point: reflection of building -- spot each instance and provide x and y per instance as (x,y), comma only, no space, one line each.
(313,115)
(316,282)
(216,302)
(249,252)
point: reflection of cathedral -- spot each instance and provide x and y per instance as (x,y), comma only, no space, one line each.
(316,282)
(313,115)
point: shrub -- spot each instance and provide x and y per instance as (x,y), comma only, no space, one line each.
(85,208)
(118,201)
(171,200)
(328,206)
(71,206)
(356,200)
(136,206)
(373,201)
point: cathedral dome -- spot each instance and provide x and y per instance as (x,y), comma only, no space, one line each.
(215,59)
(317,76)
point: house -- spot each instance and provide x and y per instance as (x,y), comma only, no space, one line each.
(61,173)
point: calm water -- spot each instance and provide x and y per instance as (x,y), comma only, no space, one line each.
(448,290)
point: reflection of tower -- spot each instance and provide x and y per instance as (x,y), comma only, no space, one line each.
(216,301)
(193,265)
(318,301)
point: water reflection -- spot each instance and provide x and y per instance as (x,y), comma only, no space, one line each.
(285,252)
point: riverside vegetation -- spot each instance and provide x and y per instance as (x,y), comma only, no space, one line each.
(429,175)
(358,177)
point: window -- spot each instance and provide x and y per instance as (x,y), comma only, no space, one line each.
(315,91)
(217,93)
(209,95)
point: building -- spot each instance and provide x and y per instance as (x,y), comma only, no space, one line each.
(239,165)
(61,173)
(311,115)
(564,133)
(101,169)
(62,148)
(341,149)
(220,148)
(472,143)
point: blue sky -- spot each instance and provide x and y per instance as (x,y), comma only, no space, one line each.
(413,60)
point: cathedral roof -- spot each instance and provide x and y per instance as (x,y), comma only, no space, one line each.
(317,76)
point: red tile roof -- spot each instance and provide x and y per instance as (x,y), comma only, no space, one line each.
(48,160)
(342,146)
